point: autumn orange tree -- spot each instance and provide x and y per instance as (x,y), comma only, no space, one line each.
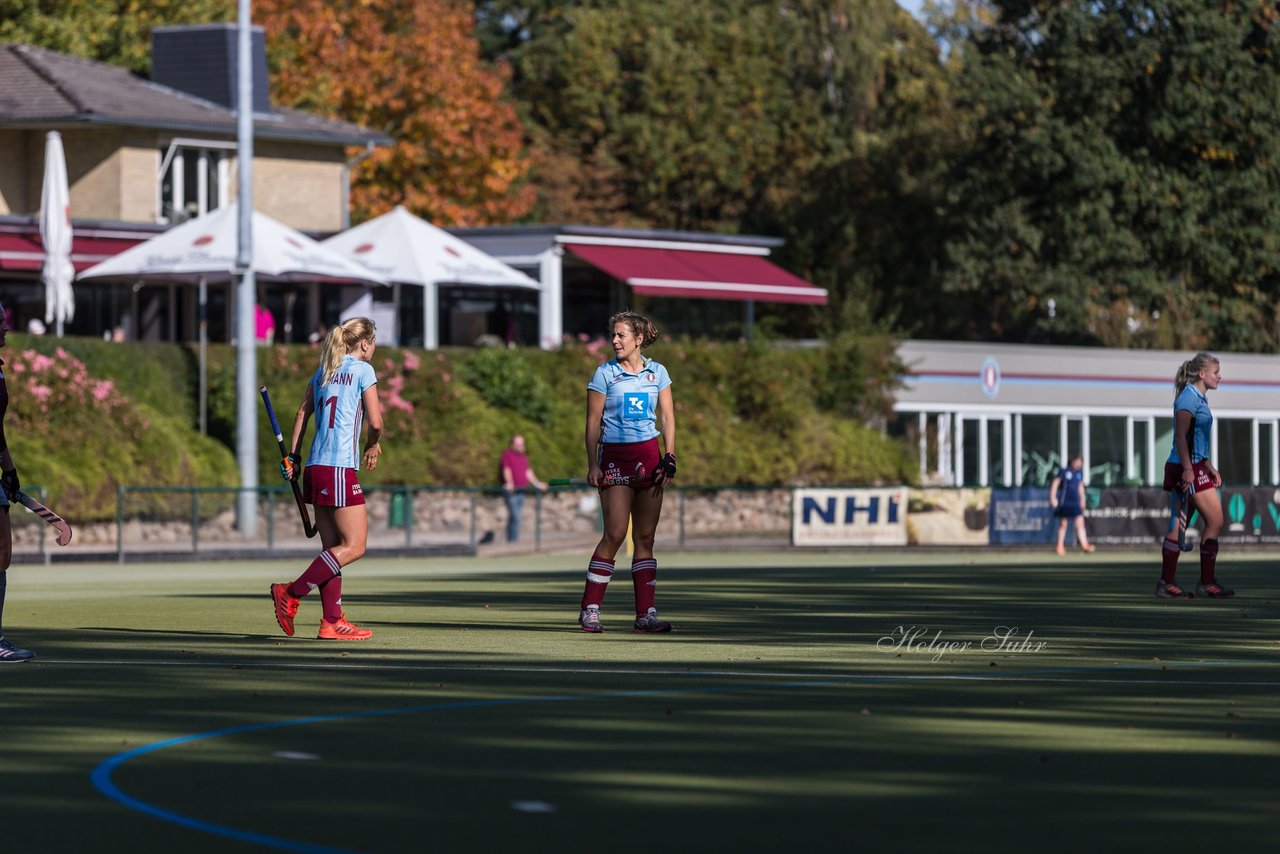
(412,70)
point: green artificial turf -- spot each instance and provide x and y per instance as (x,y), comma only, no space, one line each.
(776,717)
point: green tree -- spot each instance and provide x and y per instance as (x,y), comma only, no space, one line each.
(1117,183)
(115,31)
(688,116)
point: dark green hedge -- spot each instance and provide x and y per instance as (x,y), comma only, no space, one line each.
(746,414)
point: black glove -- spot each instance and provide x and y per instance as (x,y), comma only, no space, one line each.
(665,470)
(290,466)
(9,480)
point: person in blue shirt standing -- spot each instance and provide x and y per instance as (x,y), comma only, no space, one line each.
(342,394)
(1066,497)
(629,405)
(1189,470)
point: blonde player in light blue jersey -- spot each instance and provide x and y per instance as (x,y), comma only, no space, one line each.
(629,406)
(342,394)
(1190,475)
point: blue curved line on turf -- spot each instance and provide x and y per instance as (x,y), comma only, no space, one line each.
(101,776)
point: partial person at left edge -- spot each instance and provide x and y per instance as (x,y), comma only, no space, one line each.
(10,484)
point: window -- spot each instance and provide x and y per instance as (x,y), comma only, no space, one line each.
(1040,458)
(1106,450)
(1267,453)
(195,178)
(1235,451)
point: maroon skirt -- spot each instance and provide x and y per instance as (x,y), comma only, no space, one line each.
(630,463)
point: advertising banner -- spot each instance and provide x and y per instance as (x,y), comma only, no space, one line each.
(1133,516)
(849,517)
(1021,515)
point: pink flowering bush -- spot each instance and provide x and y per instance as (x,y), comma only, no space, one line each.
(62,383)
(74,429)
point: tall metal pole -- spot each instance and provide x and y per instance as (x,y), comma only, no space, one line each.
(246,357)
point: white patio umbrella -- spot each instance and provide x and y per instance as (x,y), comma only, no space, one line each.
(406,249)
(205,248)
(204,251)
(55,232)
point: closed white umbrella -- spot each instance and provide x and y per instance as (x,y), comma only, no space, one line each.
(205,248)
(55,232)
(406,249)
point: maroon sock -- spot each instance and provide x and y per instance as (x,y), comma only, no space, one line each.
(1169,561)
(599,571)
(644,577)
(1208,560)
(331,598)
(323,568)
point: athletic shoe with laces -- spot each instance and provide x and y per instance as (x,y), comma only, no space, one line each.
(589,619)
(286,607)
(1214,590)
(649,624)
(9,652)
(1169,590)
(342,630)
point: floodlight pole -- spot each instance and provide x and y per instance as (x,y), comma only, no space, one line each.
(246,357)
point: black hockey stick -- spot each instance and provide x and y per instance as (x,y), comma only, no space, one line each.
(1184,515)
(307,527)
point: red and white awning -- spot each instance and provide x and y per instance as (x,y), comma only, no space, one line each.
(698,271)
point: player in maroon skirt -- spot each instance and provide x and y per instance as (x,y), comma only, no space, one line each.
(1189,471)
(629,406)
(342,394)
(9,486)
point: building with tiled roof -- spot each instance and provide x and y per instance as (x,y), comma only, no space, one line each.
(145,154)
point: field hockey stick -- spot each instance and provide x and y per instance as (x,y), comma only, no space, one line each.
(307,527)
(1184,515)
(60,524)
(582,481)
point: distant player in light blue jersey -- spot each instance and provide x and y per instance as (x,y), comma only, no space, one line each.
(629,406)
(342,394)
(1190,473)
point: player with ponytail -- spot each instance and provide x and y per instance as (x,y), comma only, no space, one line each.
(1189,474)
(629,405)
(342,394)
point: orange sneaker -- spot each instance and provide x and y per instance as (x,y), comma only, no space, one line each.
(342,630)
(286,607)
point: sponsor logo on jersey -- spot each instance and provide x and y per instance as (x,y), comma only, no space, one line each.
(635,407)
(356,489)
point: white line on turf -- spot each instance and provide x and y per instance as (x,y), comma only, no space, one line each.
(1063,675)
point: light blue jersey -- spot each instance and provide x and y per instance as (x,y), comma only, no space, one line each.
(630,400)
(1192,400)
(339,414)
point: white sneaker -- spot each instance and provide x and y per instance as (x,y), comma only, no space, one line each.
(649,624)
(589,619)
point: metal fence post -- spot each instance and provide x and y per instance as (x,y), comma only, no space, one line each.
(680,491)
(120,524)
(475,493)
(195,520)
(537,522)
(271,518)
(408,516)
(44,530)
